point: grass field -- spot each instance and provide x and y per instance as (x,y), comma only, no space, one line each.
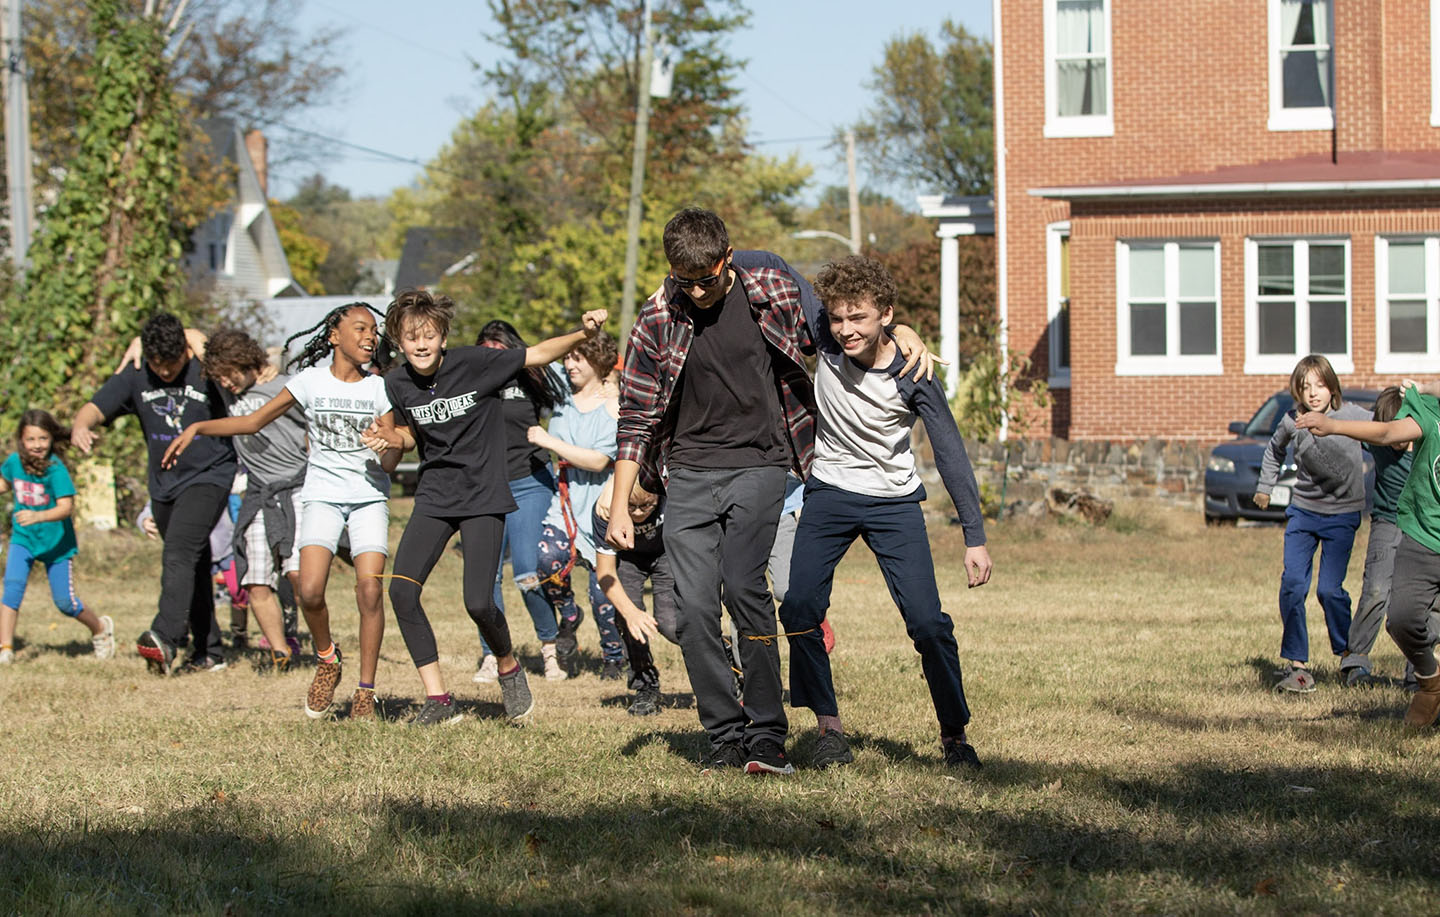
(1136,762)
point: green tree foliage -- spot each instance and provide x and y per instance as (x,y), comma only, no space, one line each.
(354,230)
(305,252)
(107,254)
(934,114)
(539,176)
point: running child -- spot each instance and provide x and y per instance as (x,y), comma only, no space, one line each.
(447,404)
(345,487)
(42,531)
(531,394)
(168,393)
(266,545)
(582,435)
(1417,558)
(1324,512)
(864,484)
(1392,468)
(622,573)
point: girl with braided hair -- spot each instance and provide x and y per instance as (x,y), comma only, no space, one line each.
(346,485)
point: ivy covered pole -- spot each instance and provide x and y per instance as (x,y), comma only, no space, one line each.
(107,254)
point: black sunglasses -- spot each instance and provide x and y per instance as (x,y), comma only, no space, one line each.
(704,283)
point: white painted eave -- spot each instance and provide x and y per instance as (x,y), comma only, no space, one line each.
(957,207)
(1249,189)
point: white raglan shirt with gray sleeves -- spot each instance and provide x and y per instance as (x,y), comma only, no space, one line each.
(1330,475)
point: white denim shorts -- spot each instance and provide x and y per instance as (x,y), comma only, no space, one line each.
(260,560)
(369,524)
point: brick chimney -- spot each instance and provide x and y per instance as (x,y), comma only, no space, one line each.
(255,145)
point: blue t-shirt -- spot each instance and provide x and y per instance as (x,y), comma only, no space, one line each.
(46,541)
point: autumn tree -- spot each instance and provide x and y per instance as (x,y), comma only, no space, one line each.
(354,231)
(932,121)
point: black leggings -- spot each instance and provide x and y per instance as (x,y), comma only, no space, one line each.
(420,548)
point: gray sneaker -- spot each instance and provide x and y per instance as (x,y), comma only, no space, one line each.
(515,692)
(104,642)
(831,750)
(1297,680)
(435,713)
(646,702)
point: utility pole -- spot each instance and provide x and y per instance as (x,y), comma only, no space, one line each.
(637,182)
(854,194)
(17,134)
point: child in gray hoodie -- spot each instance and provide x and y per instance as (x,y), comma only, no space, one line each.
(1323,511)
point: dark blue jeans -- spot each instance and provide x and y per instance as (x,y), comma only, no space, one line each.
(522,536)
(894,530)
(1334,535)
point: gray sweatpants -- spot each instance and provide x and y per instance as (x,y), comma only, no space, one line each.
(1374,602)
(1416,586)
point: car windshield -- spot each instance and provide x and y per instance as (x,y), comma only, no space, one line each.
(1263,424)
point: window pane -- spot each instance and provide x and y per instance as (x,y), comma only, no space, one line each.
(1407,268)
(1197,328)
(1197,271)
(1079,27)
(1065,266)
(1277,271)
(1147,330)
(1080,88)
(1277,327)
(1147,273)
(1407,327)
(1060,338)
(1327,327)
(1327,270)
(1306,76)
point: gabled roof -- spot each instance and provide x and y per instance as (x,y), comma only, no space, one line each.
(430,253)
(1351,173)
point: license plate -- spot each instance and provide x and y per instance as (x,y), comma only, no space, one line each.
(1280,496)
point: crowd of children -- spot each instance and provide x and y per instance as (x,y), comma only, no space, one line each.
(688,475)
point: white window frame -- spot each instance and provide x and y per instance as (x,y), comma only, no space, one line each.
(1172,362)
(1054,233)
(1270,364)
(1078,125)
(1429,361)
(1297,119)
(1435,63)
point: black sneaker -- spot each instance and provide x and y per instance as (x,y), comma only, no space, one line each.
(961,754)
(831,750)
(567,651)
(612,671)
(435,713)
(158,652)
(767,757)
(515,693)
(204,664)
(646,702)
(727,756)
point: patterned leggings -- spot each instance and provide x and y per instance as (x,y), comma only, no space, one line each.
(554,555)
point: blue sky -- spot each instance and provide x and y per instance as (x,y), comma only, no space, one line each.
(410,78)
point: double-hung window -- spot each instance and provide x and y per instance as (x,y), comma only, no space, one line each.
(1302,65)
(1168,321)
(1297,302)
(1407,317)
(1057,297)
(1079,83)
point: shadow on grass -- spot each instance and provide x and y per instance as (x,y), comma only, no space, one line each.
(73,649)
(738,852)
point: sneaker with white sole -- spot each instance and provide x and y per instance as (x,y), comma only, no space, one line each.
(1296,680)
(435,713)
(767,757)
(7,656)
(550,657)
(104,642)
(515,693)
(488,671)
(321,695)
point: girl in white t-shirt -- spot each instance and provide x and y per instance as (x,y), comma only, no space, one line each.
(345,486)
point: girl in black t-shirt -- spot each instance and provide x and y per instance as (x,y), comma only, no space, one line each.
(530,395)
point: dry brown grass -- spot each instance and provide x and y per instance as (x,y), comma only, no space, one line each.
(1136,762)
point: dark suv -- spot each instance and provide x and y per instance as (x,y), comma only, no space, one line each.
(1234,467)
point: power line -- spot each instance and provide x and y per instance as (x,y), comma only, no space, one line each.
(346,14)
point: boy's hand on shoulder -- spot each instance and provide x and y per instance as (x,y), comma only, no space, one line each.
(917,356)
(1316,422)
(978,565)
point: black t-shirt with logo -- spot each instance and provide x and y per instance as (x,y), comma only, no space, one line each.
(649,534)
(165,409)
(459,429)
(729,406)
(522,457)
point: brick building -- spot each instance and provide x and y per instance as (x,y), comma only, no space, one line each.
(1193,196)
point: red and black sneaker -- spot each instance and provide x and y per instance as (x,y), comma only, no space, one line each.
(767,757)
(159,654)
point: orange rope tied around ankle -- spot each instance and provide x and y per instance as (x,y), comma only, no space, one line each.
(560,577)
